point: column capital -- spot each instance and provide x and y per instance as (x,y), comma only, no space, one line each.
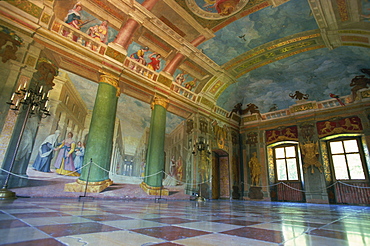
(157,100)
(109,79)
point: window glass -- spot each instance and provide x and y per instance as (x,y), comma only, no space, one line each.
(290,151)
(292,169)
(336,147)
(350,146)
(279,153)
(355,166)
(340,167)
(281,170)
(347,160)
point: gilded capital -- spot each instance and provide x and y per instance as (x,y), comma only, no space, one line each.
(109,79)
(160,101)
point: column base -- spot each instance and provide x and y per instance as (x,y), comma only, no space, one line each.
(154,191)
(7,194)
(92,187)
(255,192)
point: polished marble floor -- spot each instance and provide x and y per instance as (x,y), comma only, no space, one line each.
(49,222)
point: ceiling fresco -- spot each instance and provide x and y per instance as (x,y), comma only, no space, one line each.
(257,29)
(313,72)
(316,72)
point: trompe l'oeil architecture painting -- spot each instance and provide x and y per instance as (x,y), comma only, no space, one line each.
(195,99)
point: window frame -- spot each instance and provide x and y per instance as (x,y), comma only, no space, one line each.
(297,162)
(360,151)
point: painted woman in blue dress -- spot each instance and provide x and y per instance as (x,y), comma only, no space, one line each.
(79,158)
(45,153)
(64,163)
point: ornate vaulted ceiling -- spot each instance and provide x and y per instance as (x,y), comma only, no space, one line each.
(269,49)
(250,51)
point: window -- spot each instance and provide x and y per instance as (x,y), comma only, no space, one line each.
(286,160)
(346,157)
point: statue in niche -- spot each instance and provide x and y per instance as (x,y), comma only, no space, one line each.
(252,138)
(307,131)
(220,134)
(310,154)
(299,95)
(234,137)
(359,82)
(203,125)
(255,169)
(189,125)
(204,168)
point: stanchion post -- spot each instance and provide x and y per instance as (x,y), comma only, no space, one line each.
(87,180)
(160,191)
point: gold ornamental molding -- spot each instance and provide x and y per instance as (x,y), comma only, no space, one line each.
(154,191)
(275,50)
(91,187)
(27,7)
(109,79)
(160,101)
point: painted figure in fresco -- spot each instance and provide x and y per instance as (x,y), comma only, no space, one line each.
(99,33)
(45,153)
(223,7)
(171,179)
(348,125)
(73,19)
(252,108)
(173,166)
(289,133)
(273,136)
(190,85)
(338,99)
(359,82)
(155,63)
(327,127)
(64,163)
(142,168)
(298,95)
(255,168)
(237,109)
(180,78)
(139,57)
(179,169)
(79,158)
(274,107)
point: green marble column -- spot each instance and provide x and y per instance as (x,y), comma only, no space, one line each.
(152,184)
(100,139)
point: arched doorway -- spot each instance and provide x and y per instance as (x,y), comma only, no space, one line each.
(220,175)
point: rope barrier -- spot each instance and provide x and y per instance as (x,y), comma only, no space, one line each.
(178,181)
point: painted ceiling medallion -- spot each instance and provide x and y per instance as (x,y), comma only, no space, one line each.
(215,9)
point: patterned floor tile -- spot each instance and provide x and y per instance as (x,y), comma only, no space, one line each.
(11,223)
(77,228)
(170,233)
(171,220)
(39,242)
(221,240)
(115,238)
(258,234)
